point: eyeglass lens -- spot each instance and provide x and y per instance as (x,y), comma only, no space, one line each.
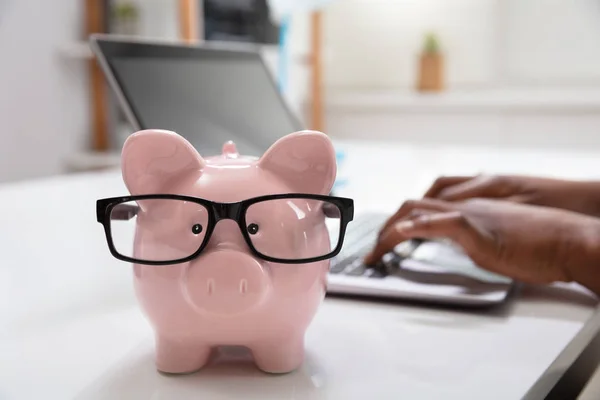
(293,228)
(164,229)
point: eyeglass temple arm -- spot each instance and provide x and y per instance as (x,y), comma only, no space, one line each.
(124,212)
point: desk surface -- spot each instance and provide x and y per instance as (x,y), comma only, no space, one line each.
(71,328)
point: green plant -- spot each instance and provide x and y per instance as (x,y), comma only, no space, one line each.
(125,11)
(431,44)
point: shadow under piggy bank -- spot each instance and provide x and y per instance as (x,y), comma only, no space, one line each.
(231,373)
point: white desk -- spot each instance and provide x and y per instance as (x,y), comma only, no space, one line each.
(70,327)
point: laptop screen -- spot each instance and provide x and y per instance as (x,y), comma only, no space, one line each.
(208,96)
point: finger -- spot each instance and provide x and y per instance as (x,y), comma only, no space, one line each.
(520,198)
(409,205)
(451,225)
(481,186)
(443,182)
(418,212)
(414,213)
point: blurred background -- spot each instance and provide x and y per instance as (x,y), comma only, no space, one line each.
(519,73)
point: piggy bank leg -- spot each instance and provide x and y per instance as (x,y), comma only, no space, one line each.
(180,356)
(279,355)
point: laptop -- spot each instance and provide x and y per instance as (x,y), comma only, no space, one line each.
(213,88)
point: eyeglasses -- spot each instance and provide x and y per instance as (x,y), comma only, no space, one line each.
(172,229)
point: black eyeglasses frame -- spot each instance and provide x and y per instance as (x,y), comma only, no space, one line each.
(217,211)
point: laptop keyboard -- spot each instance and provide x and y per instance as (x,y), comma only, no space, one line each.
(414,255)
(361,236)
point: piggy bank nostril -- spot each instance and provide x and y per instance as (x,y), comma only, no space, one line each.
(243,286)
(210,286)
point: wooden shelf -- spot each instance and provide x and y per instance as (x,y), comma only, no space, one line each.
(93,161)
(517,99)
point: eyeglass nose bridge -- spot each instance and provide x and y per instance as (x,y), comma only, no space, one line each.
(227,211)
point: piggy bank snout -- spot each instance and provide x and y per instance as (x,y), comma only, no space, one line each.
(226,282)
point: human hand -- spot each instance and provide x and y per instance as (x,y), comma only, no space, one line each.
(527,243)
(578,196)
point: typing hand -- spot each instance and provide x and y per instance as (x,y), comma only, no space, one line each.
(527,243)
(578,196)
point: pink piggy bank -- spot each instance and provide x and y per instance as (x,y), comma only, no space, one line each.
(228,249)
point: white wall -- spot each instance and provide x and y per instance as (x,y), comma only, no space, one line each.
(373,44)
(44,109)
(550,41)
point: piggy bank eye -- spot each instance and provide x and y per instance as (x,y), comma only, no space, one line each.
(252,229)
(197,229)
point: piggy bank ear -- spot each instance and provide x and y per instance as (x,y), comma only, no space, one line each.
(304,160)
(152,158)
